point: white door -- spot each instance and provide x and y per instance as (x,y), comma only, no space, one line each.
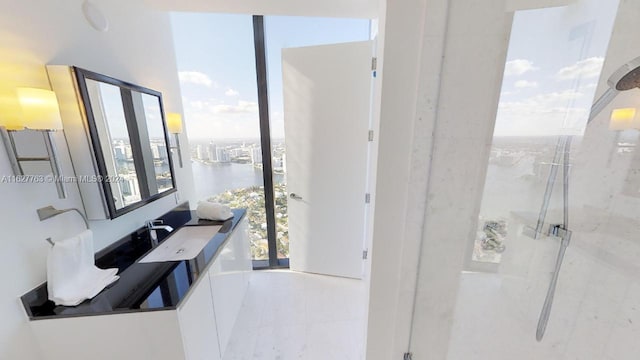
(327,92)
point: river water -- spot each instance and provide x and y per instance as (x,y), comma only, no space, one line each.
(212,179)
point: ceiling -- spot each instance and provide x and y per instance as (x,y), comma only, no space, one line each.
(367,9)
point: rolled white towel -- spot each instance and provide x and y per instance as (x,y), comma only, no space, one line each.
(213,211)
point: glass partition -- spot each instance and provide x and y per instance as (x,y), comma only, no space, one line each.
(534,272)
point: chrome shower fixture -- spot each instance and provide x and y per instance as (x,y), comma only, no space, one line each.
(626,77)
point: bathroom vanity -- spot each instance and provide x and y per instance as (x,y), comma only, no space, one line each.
(179,294)
(169,310)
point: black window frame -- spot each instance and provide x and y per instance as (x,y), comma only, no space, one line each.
(265,144)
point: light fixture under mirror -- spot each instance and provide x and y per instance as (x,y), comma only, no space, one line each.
(124,130)
(38,111)
(174,123)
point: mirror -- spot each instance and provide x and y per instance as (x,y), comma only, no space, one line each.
(130,139)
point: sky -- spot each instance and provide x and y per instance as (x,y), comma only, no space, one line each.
(111,104)
(216,64)
(553,66)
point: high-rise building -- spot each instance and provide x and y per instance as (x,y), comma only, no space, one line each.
(284,163)
(162,151)
(130,187)
(211,151)
(236,152)
(127,151)
(222,155)
(256,155)
(154,151)
(201,152)
(119,152)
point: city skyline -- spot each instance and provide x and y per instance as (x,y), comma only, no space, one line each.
(240,151)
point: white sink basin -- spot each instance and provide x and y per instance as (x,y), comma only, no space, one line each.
(184,244)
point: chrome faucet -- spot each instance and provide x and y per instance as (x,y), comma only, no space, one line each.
(152,226)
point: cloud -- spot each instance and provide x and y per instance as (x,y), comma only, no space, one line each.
(562,112)
(214,106)
(518,67)
(194,77)
(243,107)
(198,105)
(203,105)
(231,92)
(210,125)
(212,118)
(521,84)
(587,68)
(545,101)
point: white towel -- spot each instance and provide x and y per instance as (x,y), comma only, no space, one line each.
(72,276)
(213,211)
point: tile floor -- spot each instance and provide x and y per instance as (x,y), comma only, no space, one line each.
(288,315)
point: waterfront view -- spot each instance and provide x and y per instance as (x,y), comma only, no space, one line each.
(230,172)
(126,191)
(215,54)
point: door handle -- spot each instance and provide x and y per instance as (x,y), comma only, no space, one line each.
(294,196)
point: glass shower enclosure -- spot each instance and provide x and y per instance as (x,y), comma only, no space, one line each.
(552,271)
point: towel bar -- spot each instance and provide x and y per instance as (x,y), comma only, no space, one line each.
(49,212)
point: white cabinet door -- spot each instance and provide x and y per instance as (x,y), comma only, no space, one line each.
(198,324)
(129,336)
(243,248)
(327,91)
(229,280)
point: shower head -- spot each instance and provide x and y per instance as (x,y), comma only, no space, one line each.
(627,76)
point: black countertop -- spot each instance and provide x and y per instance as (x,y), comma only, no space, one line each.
(142,286)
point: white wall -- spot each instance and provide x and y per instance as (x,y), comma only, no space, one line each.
(443,71)
(137,48)
(475,53)
(397,219)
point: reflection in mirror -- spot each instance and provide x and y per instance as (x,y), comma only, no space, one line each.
(157,143)
(130,141)
(111,124)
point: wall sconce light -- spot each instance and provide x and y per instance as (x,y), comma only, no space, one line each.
(623,119)
(174,124)
(38,111)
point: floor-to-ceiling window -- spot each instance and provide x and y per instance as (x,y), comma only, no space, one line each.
(231,82)
(217,72)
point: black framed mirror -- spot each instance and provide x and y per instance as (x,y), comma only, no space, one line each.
(130,140)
